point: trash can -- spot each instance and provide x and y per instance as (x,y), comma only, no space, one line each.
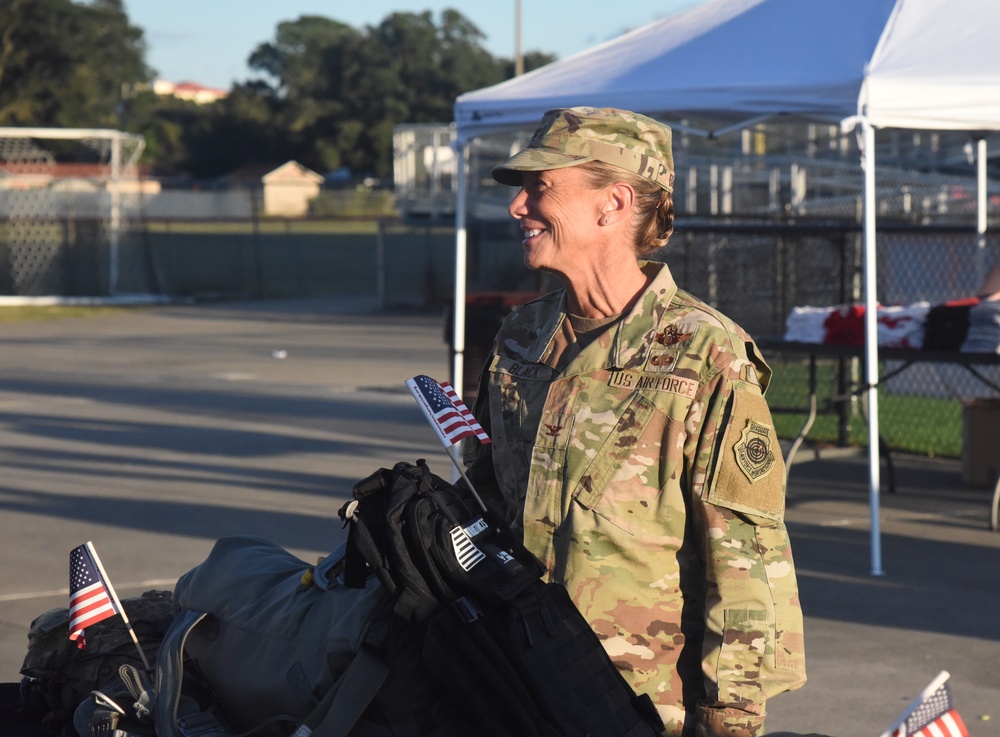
(981,441)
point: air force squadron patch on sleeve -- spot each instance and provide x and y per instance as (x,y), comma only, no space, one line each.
(755,451)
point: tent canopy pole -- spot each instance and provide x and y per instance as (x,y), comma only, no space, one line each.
(981,205)
(871,342)
(458,306)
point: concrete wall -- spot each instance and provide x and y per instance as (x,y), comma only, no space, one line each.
(234,204)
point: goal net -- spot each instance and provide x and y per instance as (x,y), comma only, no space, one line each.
(68,201)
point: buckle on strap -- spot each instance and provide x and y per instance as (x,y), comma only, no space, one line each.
(466,610)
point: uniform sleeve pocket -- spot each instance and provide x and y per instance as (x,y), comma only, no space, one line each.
(741,657)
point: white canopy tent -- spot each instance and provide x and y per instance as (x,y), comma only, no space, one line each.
(751,57)
(926,64)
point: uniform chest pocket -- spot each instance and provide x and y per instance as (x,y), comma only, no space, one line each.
(512,397)
(622,480)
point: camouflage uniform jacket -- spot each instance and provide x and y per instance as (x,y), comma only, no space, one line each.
(645,473)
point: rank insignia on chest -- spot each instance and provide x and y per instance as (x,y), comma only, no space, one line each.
(666,347)
(551,430)
(755,450)
(672,334)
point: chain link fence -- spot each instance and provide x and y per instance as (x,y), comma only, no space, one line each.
(758,274)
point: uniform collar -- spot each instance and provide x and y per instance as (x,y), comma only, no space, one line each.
(632,333)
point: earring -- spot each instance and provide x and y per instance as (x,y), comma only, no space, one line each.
(607,220)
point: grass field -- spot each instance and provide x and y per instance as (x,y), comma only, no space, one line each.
(264,225)
(55,232)
(26,313)
(922,425)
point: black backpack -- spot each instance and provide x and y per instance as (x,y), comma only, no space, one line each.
(513,649)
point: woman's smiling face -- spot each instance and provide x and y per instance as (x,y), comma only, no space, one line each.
(560,213)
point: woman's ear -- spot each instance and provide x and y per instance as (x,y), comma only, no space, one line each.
(619,202)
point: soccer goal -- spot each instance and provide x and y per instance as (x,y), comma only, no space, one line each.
(69,199)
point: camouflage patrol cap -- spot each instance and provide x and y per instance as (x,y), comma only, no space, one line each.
(577,135)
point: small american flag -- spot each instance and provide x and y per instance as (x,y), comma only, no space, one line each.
(932,714)
(445,410)
(91,598)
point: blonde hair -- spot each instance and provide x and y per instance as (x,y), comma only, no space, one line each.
(654,212)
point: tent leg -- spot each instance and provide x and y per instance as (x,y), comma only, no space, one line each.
(981,210)
(871,345)
(458,307)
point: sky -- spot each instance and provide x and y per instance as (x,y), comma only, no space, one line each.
(209,41)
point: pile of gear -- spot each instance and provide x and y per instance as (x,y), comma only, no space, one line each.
(432,620)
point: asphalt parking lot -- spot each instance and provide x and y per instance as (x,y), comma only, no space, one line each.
(154,432)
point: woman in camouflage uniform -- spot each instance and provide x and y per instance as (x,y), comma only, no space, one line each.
(632,444)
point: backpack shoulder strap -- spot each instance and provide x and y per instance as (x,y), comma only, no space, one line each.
(170,672)
(341,708)
(363,551)
(376,541)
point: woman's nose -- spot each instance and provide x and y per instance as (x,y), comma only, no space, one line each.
(517,207)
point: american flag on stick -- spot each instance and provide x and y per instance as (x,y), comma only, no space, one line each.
(450,418)
(445,410)
(92,598)
(932,714)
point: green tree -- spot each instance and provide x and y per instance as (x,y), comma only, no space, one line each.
(292,59)
(67,64)
(329,94)
(339,92)
(237,131)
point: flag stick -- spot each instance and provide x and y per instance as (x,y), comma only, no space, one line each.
(118,604)
(458,465)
